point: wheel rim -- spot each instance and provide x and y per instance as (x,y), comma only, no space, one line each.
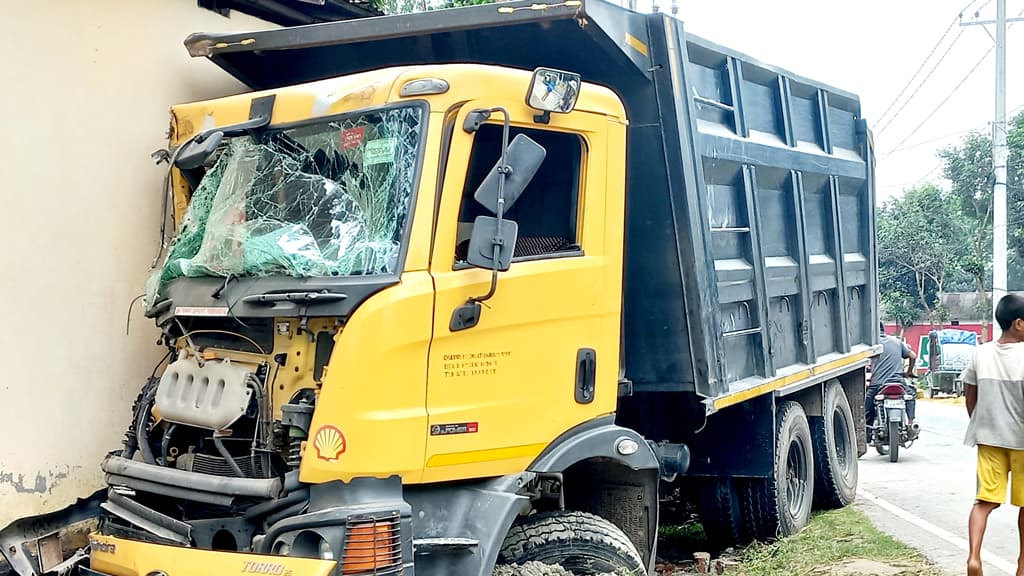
(796,477)
(841,440)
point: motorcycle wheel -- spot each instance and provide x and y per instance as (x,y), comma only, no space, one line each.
(894,441)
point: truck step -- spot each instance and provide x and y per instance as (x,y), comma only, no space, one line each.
(443,545)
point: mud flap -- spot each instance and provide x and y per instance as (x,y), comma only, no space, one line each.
(18,541)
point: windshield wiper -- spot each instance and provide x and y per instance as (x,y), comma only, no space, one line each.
(216,293)
(303,297)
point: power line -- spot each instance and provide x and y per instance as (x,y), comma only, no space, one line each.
(950,135)
(922,65)
(937,139)
(948,96)
(943,103)
(896,114)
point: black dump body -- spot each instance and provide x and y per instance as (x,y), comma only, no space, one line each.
(750,246)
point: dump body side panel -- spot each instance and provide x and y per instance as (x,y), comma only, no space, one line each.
(774,225)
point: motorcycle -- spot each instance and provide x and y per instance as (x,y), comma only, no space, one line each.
(892,429)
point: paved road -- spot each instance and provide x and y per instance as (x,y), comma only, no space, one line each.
(924,499)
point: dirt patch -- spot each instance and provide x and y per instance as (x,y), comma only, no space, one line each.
(866,567)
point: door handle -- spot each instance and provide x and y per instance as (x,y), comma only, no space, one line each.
(586,375)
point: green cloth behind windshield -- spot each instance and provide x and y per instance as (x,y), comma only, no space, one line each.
(329,199)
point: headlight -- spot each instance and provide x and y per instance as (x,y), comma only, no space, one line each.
(309,544)
(325,551)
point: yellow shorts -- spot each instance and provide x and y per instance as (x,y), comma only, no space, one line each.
(994,465)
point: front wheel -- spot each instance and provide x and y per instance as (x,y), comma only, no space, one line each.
(894,440)
(581,543)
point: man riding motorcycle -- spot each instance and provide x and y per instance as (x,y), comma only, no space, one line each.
(888,369)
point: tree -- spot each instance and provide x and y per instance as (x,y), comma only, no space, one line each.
(920,239)
(408,6)
(901,307)
(968,167)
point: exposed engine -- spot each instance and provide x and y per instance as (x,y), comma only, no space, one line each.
(213,416)
(210,440)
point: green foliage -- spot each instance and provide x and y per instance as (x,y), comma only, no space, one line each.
(409,6)
(932,240)
(920,249)
(900,306)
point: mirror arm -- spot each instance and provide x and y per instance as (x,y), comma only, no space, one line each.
(494,282)
(504,170)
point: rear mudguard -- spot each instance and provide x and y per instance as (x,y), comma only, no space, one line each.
(17,540)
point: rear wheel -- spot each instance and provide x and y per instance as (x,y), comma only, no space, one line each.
(582,543)
(721,511)
(835,451)
(894,441)
(780,506)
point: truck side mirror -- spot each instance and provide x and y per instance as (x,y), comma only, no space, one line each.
(523,158)
(493,240)
(488,234)
(553,90)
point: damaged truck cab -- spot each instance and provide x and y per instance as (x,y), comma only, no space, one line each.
(325,319)
(435,306)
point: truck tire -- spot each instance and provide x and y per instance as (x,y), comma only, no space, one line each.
(721,512)
(780,505)
(835,451)
(581,543)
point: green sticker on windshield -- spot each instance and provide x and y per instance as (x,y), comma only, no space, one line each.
(379,151)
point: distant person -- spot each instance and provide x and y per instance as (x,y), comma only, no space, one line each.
(994,387)
(888,369)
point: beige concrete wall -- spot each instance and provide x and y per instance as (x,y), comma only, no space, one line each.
(85,88)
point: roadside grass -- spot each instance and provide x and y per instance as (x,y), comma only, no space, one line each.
(831,539)
(837,542)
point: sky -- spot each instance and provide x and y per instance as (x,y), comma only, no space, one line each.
(872,48)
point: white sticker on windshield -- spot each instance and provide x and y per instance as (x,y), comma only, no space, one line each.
(379,151)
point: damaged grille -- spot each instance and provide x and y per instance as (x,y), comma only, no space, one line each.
(373,545)
(216,466)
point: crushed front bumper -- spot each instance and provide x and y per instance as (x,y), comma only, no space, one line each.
(114,556)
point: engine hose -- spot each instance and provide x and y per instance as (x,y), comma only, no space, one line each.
(142,418)
(166,443)
(227,457)
(264,420)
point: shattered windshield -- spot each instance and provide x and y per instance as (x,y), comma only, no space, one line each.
(327,199)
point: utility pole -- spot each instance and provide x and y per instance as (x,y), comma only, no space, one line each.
(999,156)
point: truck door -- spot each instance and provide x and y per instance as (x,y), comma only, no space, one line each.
(500,391)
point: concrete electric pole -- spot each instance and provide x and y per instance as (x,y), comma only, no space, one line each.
(999,156)
(999,153)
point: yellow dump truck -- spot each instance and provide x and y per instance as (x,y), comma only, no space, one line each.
(474,287)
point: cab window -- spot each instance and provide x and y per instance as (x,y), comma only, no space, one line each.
(547,210)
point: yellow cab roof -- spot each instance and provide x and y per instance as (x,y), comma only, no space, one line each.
(377,87)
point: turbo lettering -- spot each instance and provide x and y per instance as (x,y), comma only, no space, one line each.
(269,568)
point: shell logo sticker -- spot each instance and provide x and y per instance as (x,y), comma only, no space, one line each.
(329,443)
